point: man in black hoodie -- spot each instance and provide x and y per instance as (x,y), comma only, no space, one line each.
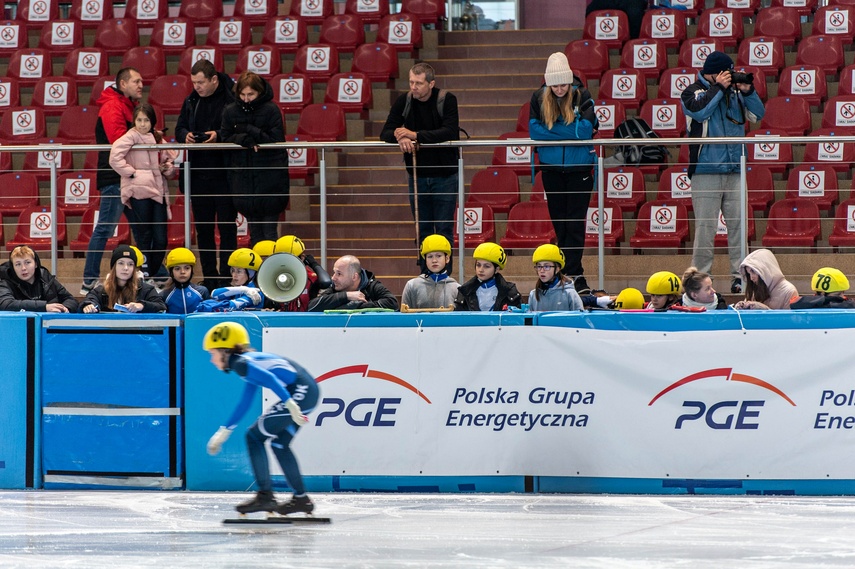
(200,121)
(26,285)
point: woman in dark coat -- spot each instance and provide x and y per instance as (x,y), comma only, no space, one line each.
(26,285)
(258,178)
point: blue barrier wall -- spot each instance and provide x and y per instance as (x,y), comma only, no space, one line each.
(18,400)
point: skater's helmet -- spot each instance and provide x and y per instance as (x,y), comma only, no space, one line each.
(664,282)
(435,244)
(491,252)
(548,252)
(264,248)
(140,258)
(245,258)
(289,244)
(629,299)
(225,335)
(180,256)
(829,279)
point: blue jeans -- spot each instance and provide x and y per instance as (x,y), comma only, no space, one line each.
(109,213)
(437,202)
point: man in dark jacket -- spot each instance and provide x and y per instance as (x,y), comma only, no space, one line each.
(353,288)
(200,121)
(26,285)
(115,116)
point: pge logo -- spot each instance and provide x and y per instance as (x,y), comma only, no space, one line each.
(364,411)
(721,415)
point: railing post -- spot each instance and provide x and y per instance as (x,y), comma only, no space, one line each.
(55,216)
(187,200)
(323,206)
(743,205)
(461,197)
(601,237)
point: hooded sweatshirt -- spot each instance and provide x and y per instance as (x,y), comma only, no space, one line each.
(16,294)
(781,291)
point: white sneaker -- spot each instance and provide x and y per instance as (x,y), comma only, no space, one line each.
(86,289)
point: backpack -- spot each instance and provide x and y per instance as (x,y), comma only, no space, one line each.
(635,154)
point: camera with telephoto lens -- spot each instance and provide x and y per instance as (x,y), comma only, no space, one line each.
(740,77)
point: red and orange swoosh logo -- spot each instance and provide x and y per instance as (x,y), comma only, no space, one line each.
(362,369)
(728,375)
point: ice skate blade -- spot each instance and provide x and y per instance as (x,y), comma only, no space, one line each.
(286,520)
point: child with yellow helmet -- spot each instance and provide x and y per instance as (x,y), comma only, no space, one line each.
(828,284)
(553,291)
(180,294)
(230,349)
(317,277)
(698,291)
(664,288)
(244,293)
(488,290)
(435,288)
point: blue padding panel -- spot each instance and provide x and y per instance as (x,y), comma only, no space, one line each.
(547,484)
(421,484)
(16,425)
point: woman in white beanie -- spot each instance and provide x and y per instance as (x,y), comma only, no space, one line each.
(563,110)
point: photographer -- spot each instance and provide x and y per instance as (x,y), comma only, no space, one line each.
(718,104)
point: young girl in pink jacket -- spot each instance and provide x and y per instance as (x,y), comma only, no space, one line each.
(144,190)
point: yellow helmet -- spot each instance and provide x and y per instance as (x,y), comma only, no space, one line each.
(140,257)
(548,252)
(491,252)
(264,248)
(629,299)
(435,243)
(289,244)
(664,282)
(180,256)
(225,335)
(829,279)
(244,258)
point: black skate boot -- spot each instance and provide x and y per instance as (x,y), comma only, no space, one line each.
(263,502)
(295,505)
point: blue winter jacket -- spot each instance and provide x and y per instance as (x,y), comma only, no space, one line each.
(707,111)
(566,157)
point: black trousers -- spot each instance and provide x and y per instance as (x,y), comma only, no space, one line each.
(211,211)
(567,196)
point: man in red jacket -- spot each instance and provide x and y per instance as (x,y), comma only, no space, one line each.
(115,117)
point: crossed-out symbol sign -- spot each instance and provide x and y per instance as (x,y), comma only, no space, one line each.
(63,31)
(49,155)
(831,147)
(811,180)
(847,110)
(256,3)
(8,33)
(148,6)
(595,217)
(702,51)
(42,221)
(607,25)
(31,63)
(663,216)
(318,56)
(40,8)
(2,91)
(259,59)
(852,213)
(296,153)
(604,115)
(645,53)
(77,189)
(681,82)
(767,147)
(56,90)
(625,84)
(663,24)
(312,4)
(24,120)
(230,30)
(350,87)
(470,217)
(836,19)
(367,2)
(93,7)
(291,87)
(761,51)
(664,114)
(803,79)
(89,61)
(682,182)
(519,150)
(205,55)
(620,182)
(286,28)
(721,22)
(400,30)
(175,31)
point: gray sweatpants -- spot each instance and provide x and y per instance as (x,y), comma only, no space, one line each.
(712,193)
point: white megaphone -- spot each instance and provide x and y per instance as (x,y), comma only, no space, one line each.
(282,277)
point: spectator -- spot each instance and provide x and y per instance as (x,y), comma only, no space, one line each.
(258,178)
(628,299)
(180,294)
(200,121)
(664,289)
(554,291)
(488,290)
(434,288)
(353,288)
(563,109)
(317,277)
(144,191)
(829,284)
(698,291)
(427,115)
(26,285)
(122,291)
(115,108)
(765,285)
(243,294)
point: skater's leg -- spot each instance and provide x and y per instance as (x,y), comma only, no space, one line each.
(288,461)
(258,457)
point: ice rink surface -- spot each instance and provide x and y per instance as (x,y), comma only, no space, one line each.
(183,529)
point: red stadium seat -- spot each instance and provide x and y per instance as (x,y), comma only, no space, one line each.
(263,60)
(344,31)
(523,117)
(351,91)
(314,12)
(18,191)
(803,8)
(401,31)
(608,26)
(302,162)
(612,228)
(624,189)
(761,187)
(76,192)
(146,12)
(673,81)
(193,54)
(789,114)
(834,21)
(720,239)
(90,13)
(661,225)
(843,233)
(645,55)
(514,158)
(86,65)
(286,33)
(117,36)
(169,91)
(200,11)
(759,78)
(291,91)
(815,183)
(488,225)
(61,36)
(688,8)
(39,163)
(175,227)
(625,85)
(318,61)
(675,186)
(805,81)
(693,52)
(763,52)
(538,192)
(665,117)
(77,124)
(779,22)
(838,155)
(121,235)
(150,61)
(793,222)
(29,65)
(256,12)
(430,12)
(34,228)
(723,25)
(13,36)
(777,156)
(34,14)
(172,36)
(10,95)
(839,114)
(824,51)
(742,8)
(610,114)
(229,34)
(22,125)
(667,26)
(54,95)
(497,187)
(846,85)
(371,11)
(529,226)
(591,57)
(379,61)
(324,123)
